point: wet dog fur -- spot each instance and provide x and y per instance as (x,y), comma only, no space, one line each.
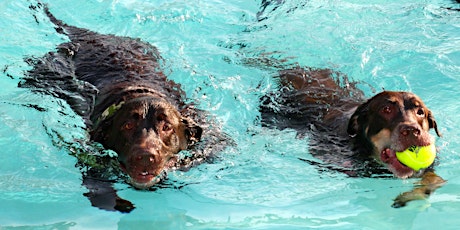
(360,137)
(116,84)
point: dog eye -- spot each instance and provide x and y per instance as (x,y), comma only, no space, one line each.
(420,112)
(128,125)
(387,109)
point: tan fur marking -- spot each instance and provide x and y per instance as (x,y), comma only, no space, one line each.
(381,140)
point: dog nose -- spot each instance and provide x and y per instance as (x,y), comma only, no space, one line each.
(145,158)
(407,130)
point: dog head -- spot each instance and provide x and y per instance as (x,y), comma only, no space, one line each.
(147,133)
(391,122)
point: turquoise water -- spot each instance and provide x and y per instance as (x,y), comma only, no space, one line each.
(223,57)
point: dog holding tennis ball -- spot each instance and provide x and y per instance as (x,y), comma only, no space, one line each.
(396,126)
(389,132)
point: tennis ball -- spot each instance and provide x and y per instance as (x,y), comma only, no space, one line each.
(417,157)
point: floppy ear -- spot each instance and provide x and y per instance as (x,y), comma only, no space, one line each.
(354,123)
(192,131)
(432,123)
(97,133)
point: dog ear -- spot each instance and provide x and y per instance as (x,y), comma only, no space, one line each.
(432,123)
(97,133)
(193,132)
(354,124)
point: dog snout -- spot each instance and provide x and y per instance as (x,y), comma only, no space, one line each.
(409,130)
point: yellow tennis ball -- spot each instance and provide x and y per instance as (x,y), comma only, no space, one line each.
(417,157)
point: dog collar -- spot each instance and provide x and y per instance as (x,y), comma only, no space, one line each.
(110,111)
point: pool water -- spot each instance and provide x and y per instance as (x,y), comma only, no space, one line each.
(224,54)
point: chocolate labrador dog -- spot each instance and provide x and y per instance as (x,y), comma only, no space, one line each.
(358,136)
(129,105)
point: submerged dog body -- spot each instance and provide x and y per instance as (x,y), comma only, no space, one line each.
(129,105)
(355,134)
(349,133)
